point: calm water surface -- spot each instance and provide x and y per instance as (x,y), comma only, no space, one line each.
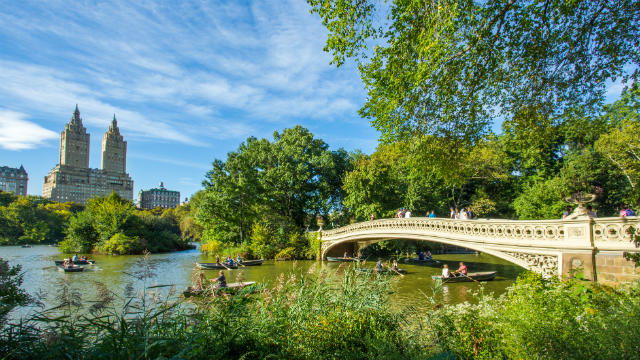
(117,272)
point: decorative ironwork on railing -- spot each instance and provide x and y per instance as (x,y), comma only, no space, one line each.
(604,229)
(550,230)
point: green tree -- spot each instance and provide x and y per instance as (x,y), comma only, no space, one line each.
(446,67)
(11,295)
(282,182)
(621,145)
(110,215)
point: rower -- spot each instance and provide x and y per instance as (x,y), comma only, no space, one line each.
(462,270)
(379,265)
(346,255)
(238,259)
(445,271)
(395,265)
(222,281)
(75,258)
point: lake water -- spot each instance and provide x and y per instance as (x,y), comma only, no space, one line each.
(42,277)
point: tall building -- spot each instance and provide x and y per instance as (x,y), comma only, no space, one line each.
(158,197)
(73,180)
(14,180)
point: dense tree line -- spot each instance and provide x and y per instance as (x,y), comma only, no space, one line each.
(521,173)
(33,219)
(108,225)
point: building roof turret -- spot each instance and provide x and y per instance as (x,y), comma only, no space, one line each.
(75,120)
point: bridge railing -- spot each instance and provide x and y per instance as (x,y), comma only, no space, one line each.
(603,230)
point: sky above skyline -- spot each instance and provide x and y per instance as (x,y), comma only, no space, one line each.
(187,81)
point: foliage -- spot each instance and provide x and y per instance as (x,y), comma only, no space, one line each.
(11,295)
(443,68)
(282,182)
(120,243)
(32,219)
(541,200)
(539,319)
(622,144)
(113,226)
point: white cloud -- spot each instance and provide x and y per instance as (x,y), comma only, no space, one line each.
(19,134)
(154,64)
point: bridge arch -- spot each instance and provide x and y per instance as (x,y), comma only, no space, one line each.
(417,237)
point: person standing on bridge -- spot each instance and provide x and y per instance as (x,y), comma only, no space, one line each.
(432,215)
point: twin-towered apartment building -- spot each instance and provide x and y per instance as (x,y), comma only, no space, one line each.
(73,180)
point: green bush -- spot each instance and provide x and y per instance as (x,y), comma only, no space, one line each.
(542,319)
(122,244)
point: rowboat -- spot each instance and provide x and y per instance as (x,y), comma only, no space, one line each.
(252,262)
(77,262)
(342,259)
(190,291)
(26,246)
(215,266)
(384,271)
(420,262)
(477,276)
(71,268)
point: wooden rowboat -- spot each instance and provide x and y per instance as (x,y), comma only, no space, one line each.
(214,266)
(477,276)
(384,271)
(190,291)
(342,259)
(251,262)
(77,262)
(71,269)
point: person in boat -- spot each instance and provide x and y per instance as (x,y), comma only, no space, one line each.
(421,255)
(428,255)
(221,280)
(217,259)
(230,261)
(67,264)
(394,266)
(83,258)
(462,270)
(379,265)
(74,258)
(238,259)
(445,271)
(345,255)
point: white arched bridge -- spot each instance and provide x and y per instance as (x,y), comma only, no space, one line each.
(550,247)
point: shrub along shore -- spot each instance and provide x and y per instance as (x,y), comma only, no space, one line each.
(339,315)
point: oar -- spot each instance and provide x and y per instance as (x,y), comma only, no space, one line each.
(397,272)
(470,277)
(224,266)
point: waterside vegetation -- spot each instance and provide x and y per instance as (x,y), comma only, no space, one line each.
(337,315)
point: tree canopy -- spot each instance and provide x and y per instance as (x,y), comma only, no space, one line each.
(447,68)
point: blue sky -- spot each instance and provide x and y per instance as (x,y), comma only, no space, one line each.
(187,81)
